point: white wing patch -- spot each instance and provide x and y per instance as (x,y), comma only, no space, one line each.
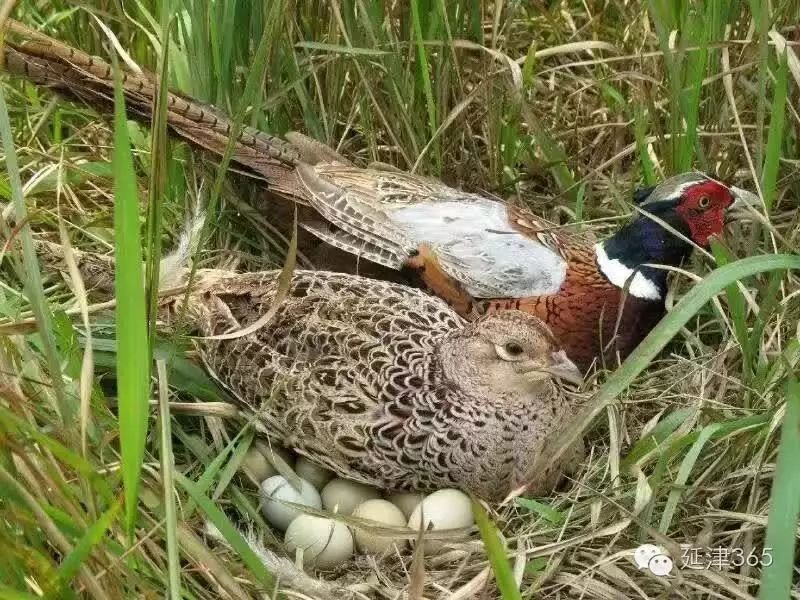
(476,245)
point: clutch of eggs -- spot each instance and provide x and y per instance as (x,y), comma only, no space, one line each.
(326,543)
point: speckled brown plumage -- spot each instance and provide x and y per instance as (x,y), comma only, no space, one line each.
(377,381)
(385,384)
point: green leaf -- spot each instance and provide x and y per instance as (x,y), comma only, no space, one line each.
(536,566)
(424,74)
(228,531)
(548,513)
(779,545)
(8,593)
(168,481)
(656,436)
(133,368)
(495,550)
(336,49)
(687,464)
(71,175)
(776,578)
(769,175)
(232,467)
(28,272)
(72,562)
(640,124)
(738,309)
(184,375)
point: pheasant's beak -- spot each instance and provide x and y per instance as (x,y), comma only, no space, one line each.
(564,368)
(744,203)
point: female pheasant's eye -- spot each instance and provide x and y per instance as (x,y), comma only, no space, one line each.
(703,202)
(514,349)
(510,351)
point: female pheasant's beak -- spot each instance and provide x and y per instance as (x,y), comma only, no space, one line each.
(564,368)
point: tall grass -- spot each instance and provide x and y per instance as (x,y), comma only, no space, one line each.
(133,348)
(699,426)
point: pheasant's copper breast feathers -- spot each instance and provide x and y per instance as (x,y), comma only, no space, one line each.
(380,382)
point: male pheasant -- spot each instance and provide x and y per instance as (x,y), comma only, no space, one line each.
(481,255)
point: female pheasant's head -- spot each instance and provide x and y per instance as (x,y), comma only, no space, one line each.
(683,210)
(506,353)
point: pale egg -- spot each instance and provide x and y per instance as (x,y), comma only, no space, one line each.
(445,509)
(276,490)
(405,501)
(312,472)
(342,496)
(256,466)
(382,513)
(326,543)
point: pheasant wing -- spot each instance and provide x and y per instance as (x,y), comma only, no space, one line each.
(475,241)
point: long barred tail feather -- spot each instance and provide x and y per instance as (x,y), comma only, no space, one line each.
(73,73)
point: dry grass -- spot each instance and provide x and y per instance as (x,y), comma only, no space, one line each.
(559,108)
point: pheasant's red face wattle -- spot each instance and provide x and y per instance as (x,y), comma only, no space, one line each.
(703,207)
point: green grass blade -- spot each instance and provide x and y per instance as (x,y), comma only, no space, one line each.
(580,203)
(72,562)
(254,80)
(228,531)
(339,49)
(214,468)
(687,464)
(776,578)
(640,124)
(158,184)
(133,372)
(769,174)
(424,74)
(770,300)
(29,274)
(655,437)
(167,478)
(760,10)
(665,22)
(738,310)
(655,341)
(8,593)
(228,472)
(545,511)
(496,552)
(19,427)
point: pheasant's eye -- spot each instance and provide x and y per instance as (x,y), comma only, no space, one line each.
(703,202)
(510,351)
(514,349)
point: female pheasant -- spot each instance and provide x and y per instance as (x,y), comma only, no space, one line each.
(480,255)
(376,381)
(384,384)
